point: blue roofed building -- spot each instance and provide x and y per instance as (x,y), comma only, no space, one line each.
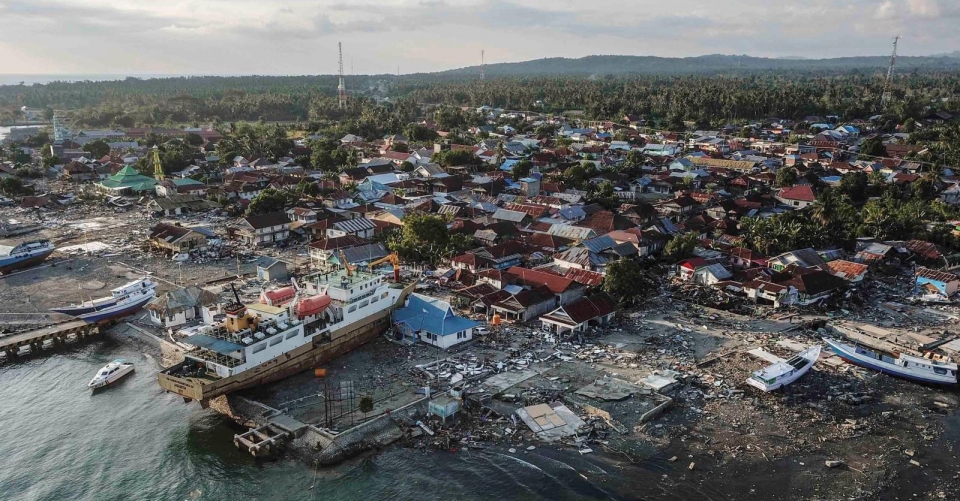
(508,164)
(432,321)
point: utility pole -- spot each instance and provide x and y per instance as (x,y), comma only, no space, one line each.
(341,88)
(885,97)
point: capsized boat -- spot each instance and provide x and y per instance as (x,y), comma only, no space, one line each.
(918,369)
(122,300)
(18,257)
(110,373)
(785,372)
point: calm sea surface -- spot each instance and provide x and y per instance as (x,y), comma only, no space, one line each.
(134,442)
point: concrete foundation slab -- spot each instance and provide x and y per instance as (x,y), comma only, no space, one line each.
(550,422)
(765,355)
(501,382)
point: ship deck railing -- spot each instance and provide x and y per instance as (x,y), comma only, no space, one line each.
(217,358)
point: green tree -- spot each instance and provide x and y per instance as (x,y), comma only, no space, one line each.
(449,158)
(419,133)
(873,146)
(681,247)
(269,200)
(628,283)
(193,139)
(424,237)
(97,149)
(909,125)
(854,185)
(786,176)
(521,169)
(406,166)
(606,196)
(366,405)
(575,175)
(13,186)
(400,148)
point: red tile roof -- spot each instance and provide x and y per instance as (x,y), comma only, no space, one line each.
(846,270)
(927,250)
(585,277)
(803,193)
(939,276)
(556,283)
(589,308)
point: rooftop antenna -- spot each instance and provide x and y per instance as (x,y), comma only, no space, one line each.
(341,88)
(885,97)
(481,64)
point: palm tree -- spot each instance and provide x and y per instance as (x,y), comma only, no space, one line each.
(501,152)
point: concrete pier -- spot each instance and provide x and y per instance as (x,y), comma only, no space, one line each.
(57,334)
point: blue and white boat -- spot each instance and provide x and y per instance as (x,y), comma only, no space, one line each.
(923,370)
(18,257)
(123,300)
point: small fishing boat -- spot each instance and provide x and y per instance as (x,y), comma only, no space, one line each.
(13,258)
(918,369)
(123,300)
(110,373)
(785,372)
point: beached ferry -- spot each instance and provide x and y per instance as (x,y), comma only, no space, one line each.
(257,343)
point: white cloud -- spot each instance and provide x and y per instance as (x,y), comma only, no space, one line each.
(300,36)
(887,10)
(924,8)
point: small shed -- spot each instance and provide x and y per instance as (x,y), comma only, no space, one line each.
(444,406)
(269,268)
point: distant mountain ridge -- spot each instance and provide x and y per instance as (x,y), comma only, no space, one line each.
(713,63)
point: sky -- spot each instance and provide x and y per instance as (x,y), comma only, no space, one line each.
(294,37)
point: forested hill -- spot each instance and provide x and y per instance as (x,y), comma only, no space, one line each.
(716,63)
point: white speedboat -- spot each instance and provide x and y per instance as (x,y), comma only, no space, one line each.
(785,372)
(111,373)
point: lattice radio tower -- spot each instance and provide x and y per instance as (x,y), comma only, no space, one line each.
(157,166)
(341,88)
(481,65)
(885,97)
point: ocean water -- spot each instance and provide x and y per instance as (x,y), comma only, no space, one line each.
(16,79)
(132,441)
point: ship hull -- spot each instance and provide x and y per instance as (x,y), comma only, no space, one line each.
(10,265)
(114,311)
(306,357)
(884,368)
(80,310)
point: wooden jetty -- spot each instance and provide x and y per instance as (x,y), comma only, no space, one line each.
(57,333)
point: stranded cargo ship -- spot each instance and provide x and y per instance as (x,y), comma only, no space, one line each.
(332,314)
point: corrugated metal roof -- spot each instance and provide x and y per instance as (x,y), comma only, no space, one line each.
(355,225)
(509,215)
(213,344)
(570,231)
(600,244)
